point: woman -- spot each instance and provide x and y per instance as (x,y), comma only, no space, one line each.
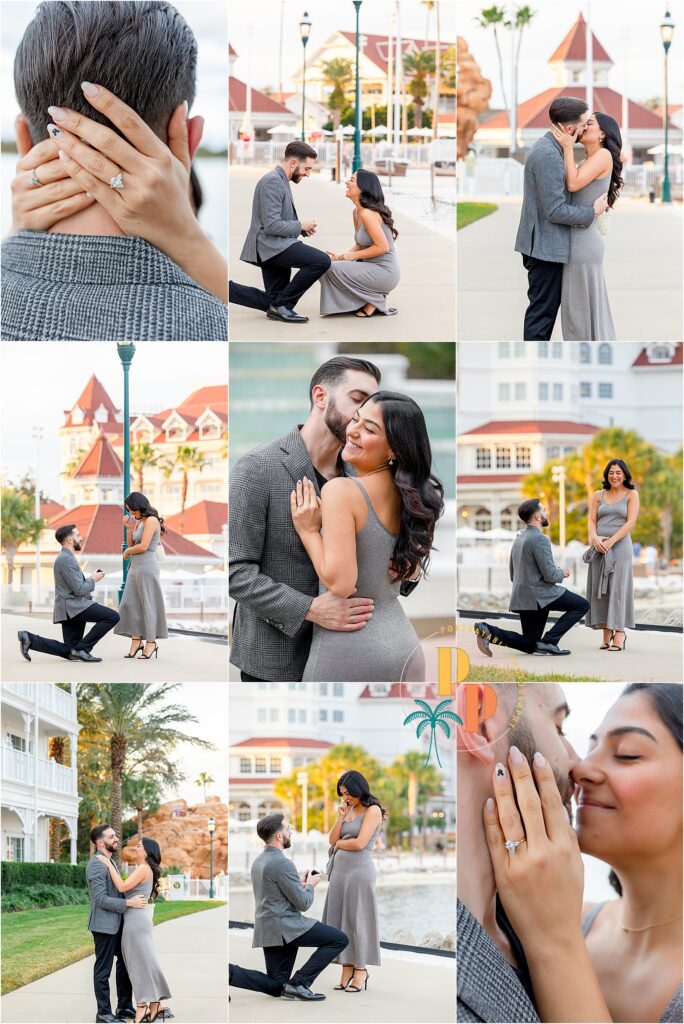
(137,942)
(614,961)
(141,612)
(377,532)
(360,280)
(350,902)
(161,195)
(613,512)
(585,309)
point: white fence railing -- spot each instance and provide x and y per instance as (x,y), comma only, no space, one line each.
(182,887)
(265,154)
(46,696)
(208,596)
(486,177)
(18,766)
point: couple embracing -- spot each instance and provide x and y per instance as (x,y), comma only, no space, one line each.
(329,526)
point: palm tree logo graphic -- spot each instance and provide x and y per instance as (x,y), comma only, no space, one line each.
(434,718)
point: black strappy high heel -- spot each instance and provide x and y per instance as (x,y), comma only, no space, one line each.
(146,1015)
(146,657)
(157,1014)
(355,988)
(606,647)
(136,651)
(341,987)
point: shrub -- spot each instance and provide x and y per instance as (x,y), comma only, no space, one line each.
(31,897)
(16,874)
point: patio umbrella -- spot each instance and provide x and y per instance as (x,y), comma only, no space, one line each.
(281,129)
(380,129)
(423,133)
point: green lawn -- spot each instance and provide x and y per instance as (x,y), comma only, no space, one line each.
(38,942)
(467,213)
(484,674)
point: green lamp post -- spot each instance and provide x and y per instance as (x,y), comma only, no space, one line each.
(356,162)
(126,350)
(211,826)
(666,33)
(304,32)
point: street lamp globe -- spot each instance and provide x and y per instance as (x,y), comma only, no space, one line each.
(305,28)
(667,28)
(211,825)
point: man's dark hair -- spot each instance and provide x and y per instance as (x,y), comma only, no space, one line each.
(268,826)
(567,110)
(528,509)
(63,532)
(332,372)
(300,151)
(142,51)
(97,832)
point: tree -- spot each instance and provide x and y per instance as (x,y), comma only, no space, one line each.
(186,459)
(136,728)
(204,780)
(432,4)
(18,525)
(494,17)
(140,794)
(410,771)
(337,73)
(418,66)
(142,455)
(523,18)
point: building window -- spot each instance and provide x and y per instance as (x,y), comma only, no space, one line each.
(276,766)
(523,458)
(322,715)
(520,391)
(585,352)
(558,392)
(483,458)
(483,519)
(503,457)
(509,518)
(543,349)
(17,742)
(504,349)
(15,848)
(557,349)
(244,812)
(291,716)
(553,451)
(585,389)
(569,449)
(338,716)
(660,354)
(323,689)
(260,765)
(504,392)
(605,354)
(519,350)
(274,716)
(338,689)
(261,715)
(543,391)
(302,715)
(245,766)
(605,389)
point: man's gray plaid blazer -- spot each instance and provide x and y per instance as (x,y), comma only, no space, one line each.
(271,576)
(488,987)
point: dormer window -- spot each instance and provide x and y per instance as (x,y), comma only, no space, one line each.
(101,415)
(209,430)
(77,415)
(175,433)
(660,353)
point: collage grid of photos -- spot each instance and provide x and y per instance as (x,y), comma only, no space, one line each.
(342,397)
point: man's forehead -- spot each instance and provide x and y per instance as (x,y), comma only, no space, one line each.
(547,696)
(360,380)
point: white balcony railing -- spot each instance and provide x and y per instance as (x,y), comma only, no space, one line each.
(20,767)
(46,696)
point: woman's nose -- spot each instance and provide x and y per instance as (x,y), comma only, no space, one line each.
(587,770)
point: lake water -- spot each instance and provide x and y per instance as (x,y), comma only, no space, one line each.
(211,171)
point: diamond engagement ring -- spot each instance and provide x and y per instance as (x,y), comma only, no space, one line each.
(35,180)
(117,181)
(511,845)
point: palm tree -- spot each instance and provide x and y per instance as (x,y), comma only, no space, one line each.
(204,780)
(337,73)
(142,454)
(140,794)
(434,718)
(411,776)
(430,4)
(136,726)
(419,65)
(186,459)
(18,525)
(523,18)
(493,17)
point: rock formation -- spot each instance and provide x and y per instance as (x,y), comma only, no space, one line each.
(472,96)
(182,834)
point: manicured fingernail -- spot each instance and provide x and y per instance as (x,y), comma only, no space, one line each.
(490,804)
(63,155)
(54,131)
(539,760)
(89,89)
(500,771)
(516,756)
(57,113)
(185,109)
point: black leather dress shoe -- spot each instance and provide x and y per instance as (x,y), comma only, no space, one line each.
(24,644)
(286,315)
(83,656)
(301,992)
(543,648)
(108,1018)
(127,1014)
(482,636)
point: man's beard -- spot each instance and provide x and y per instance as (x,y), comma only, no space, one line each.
(521,736)
(287,842)
(111,845)
(77,545)
(297,174)
(544,522)
(335,422)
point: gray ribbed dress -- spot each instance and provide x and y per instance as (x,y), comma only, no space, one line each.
(350,902)
(585,309)
(610,586)
(387,648)
(348,285)
(141,612)
(140,956)
(673,1010)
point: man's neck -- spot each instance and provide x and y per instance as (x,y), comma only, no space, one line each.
(322,446)
(107,853)
(285,171)
(93,221)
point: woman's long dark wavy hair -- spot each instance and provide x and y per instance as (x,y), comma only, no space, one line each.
(137,502)
(421,494)
(153,858)
(613,143)
(357,786)
(373,198)
(627,482)
(666,701)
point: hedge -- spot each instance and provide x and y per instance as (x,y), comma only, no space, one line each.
(20,875)
(33,897)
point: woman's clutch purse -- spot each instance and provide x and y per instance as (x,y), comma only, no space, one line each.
(602,223)
(160,553)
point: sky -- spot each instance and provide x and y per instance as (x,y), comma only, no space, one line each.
(207,19)
(628,29)
(209,703)
(326,17)
(42,379)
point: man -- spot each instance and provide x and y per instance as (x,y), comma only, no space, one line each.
(84,279)
(107,907)
(280,928)
(492,976)
(272,241)
(535,592)
(271,576)
(74,607)
(547,216)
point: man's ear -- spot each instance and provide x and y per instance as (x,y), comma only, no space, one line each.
(23,135)
(195,130)
(479,742)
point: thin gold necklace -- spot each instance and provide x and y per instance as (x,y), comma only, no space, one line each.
(646,927)
(380,469)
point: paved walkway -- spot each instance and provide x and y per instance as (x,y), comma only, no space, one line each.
(409,987)
(192,952)
(425,296)
(649,657)
(181,659)
(643,272)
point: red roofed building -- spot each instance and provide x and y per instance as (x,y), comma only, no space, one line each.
(98,477)
(257,763)
(264,112)
(641,127)
(205,524)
